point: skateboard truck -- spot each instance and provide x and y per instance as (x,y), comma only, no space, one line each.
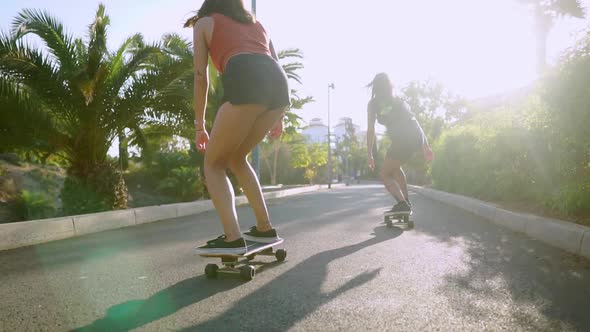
(401,220)
(240,264)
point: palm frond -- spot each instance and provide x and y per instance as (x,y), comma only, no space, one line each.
(139,60)
(31,68)
(175,45)
(572,8)
(291,68)
(554,8)
(24,122)
(118,59)
(97,45)
(290,53)
(51,31)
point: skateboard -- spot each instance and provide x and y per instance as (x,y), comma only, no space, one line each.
(239,263)
(400,220)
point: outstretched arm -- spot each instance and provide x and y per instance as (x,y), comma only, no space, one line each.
(201,67)
(428,154)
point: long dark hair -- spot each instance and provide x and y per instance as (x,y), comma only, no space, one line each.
(230,8)
(381,87)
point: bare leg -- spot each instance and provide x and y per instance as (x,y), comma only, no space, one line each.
(400,178)
(245,174)
(390,167)
(232,125)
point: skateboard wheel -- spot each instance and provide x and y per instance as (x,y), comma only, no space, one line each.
(247,272)
(281,254)
(211,271)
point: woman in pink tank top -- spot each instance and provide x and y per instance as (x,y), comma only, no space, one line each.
(256,96)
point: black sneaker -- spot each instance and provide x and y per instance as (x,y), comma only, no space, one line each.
(401,208)
(261,237)
(220,246)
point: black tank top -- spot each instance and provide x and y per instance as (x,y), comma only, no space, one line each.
(395,114)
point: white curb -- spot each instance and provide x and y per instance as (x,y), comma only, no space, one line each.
(568,236)
(27,233)
(149,214)
(98,222)
(585,250)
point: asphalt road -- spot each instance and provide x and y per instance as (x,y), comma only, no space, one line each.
(345,271)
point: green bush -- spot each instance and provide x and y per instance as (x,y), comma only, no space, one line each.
(47,180)
(573,199)
(103,189)
(32,206)
(172,174)
(511,155)
(79,198)
(495,161)
(457,166)
(184,183)
(3,170)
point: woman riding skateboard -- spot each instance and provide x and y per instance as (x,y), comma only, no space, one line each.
(256,96)
(406,135)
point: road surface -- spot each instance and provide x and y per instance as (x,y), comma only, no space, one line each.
(345,271)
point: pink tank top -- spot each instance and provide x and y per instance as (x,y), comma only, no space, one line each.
(232,37)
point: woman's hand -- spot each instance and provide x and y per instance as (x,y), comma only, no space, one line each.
(428,154)
(202,139)
(277,130)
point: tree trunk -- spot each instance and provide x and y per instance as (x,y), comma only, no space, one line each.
(276,148)
(543,23)
(123,152)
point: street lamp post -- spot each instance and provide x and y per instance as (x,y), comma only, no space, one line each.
(330,87)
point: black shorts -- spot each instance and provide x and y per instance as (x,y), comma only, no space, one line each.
(404,147)
(255,79)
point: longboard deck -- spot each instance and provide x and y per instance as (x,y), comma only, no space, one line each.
(386,213)
(239,263)
(253,248)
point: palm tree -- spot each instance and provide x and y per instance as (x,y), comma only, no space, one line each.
(85,95)
(546,11)
(271,149)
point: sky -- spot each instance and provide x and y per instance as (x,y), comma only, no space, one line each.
(475,48)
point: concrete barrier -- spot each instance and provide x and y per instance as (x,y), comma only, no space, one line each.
(98,222)
(585,249)
(20,234)
(151,214)
(568,236)
(510,220)
(560,234)
(290,192)
(187,209)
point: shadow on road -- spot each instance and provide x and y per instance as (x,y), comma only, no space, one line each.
(137,313)
(551,289)
(297,293)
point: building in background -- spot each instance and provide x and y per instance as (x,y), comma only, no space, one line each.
(316,132)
